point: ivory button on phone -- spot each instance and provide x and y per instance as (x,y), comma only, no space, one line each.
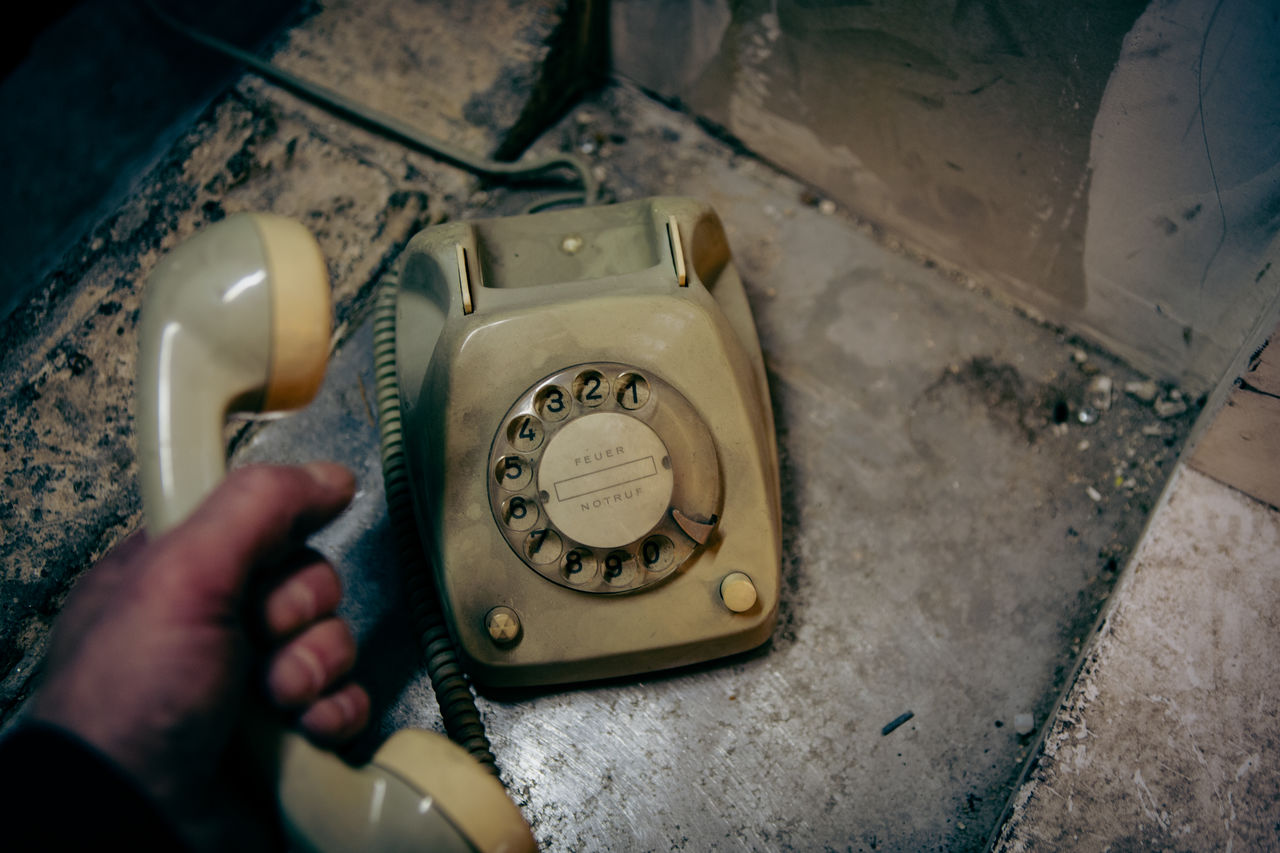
(738,592)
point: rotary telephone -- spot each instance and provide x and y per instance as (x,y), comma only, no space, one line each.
(589,450)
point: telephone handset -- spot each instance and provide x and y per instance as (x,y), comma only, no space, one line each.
(590,440)
(238,318)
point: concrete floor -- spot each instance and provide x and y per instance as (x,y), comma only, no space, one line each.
(953,526)
(943,555)
(1169,738)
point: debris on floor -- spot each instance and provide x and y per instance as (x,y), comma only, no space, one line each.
(896,722)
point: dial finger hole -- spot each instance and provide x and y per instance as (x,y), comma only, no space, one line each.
(519,513)
(633,391)
(619,568)
(590,388)
(525,433)
(513,473)
(552,403)
(579,567)
(657,554)
(543,547)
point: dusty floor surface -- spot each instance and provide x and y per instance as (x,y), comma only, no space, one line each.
(957,506)
(959,491)
(1168,740)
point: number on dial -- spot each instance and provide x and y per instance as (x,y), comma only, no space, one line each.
(553,403)
(513,473)
(525,433)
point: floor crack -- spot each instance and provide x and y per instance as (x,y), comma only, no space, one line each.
(1256,390)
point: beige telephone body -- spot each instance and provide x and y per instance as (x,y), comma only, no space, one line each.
(590,440)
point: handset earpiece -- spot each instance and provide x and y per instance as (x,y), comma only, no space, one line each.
(236,319)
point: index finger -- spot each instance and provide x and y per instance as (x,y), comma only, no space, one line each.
(255,512)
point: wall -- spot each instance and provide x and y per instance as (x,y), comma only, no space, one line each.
(91,106)
(1185,194)
(1110,165)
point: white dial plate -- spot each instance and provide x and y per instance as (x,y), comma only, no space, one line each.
(605,479)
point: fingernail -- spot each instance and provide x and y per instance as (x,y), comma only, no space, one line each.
(330,715)
(318,719)
(346,708)
(297,676)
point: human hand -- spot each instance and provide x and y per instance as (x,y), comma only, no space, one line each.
(158,645)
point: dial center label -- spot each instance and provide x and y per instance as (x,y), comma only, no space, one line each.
(606,479)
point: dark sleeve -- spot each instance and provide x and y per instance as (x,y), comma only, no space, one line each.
(58,793)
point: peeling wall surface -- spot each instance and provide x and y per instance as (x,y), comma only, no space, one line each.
(1185,195)
(1110,165)
(1169,738)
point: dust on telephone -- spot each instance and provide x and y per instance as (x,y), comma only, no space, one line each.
(576,426)
(578,452)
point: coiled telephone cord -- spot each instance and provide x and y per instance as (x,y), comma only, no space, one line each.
(452,687)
